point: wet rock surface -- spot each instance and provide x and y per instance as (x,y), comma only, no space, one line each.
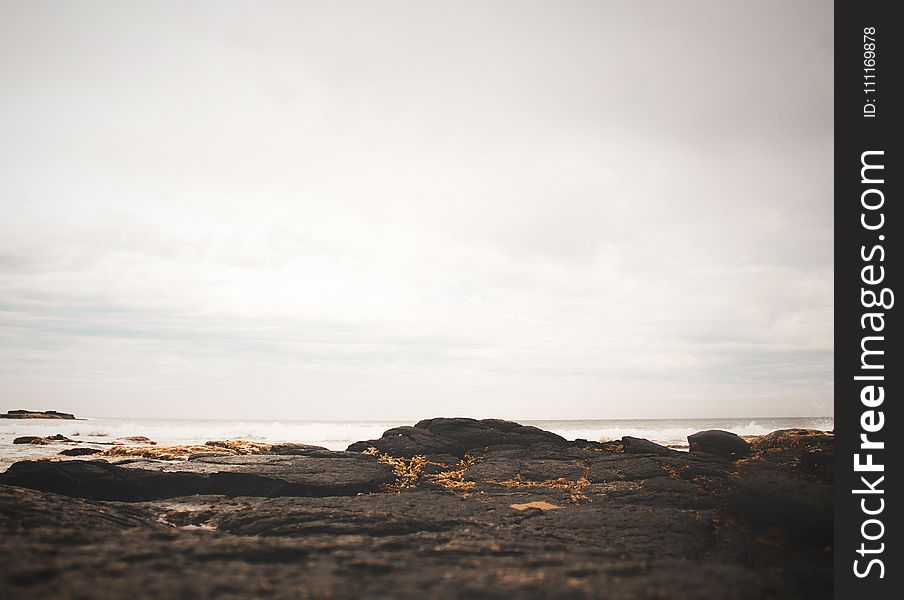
(80,451)
(473,514)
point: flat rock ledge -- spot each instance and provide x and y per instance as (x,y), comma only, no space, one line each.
(318,472)
(449,508)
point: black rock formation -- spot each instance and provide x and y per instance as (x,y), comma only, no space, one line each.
(36,414)
(499,511)
(718,442)
(457,437)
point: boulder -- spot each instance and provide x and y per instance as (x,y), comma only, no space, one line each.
(720,443)
(43,441)
(80,451)
(409,441)
(810,452)
(784,439)
(457,437)
(31,439)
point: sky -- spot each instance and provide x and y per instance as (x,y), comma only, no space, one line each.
(408,209)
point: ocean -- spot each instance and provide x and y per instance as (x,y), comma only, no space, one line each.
(337,435)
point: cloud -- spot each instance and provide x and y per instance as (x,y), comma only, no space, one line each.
(595,210)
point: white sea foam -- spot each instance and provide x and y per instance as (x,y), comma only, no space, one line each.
(674,432)
(331,434)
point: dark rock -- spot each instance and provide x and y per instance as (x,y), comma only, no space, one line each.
(31,439)
(806,453)
(23,510)
(80,451)
(472,433)
(43,441)
(525,465)
(784,439)
(36,414)
(626,519)
(633,445)
(818,464)
(624,468)
(249,475)
(771,500)
(318,473)
(409,441)
(457,437)
(290,449)
(100,480)
(720,443)
(345,546)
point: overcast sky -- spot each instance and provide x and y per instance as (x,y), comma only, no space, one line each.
(411,209)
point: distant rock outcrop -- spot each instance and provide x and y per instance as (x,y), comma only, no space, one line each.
(37,414)
(44,440)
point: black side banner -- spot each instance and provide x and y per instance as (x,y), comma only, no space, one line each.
(869,371)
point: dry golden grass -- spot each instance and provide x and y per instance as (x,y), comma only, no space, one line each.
(453,479)
(574,488)
(605,489)
(409,472)
(156,452)
(241,446)
(211,448)
(406,470)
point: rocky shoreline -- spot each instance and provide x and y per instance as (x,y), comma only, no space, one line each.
(448,508)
